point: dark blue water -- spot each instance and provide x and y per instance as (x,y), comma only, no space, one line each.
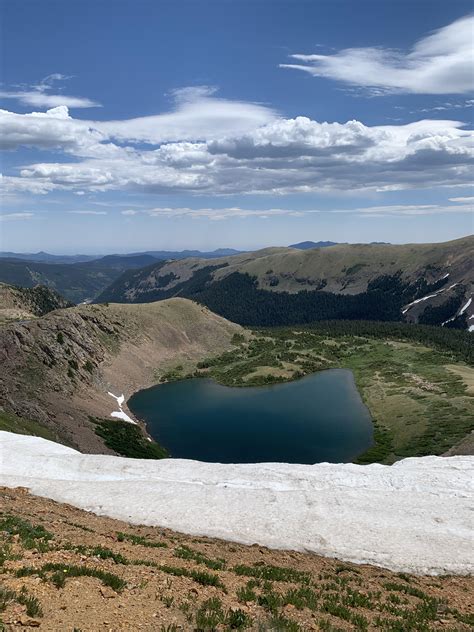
(318,418)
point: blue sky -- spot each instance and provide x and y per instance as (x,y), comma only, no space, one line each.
(162,125)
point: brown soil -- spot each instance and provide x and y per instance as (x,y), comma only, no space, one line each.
(296,591)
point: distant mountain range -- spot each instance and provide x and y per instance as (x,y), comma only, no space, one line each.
(308,281)
(425,283)
(307,245)
(81,277)
(46,257)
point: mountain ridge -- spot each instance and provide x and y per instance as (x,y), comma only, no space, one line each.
(427,283)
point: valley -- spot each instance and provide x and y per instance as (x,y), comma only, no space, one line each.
(60,368)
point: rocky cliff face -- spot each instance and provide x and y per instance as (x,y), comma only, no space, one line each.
(58,369)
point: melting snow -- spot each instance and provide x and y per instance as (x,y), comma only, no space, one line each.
(413,516)
(425,298)
(120,414)
(463,309)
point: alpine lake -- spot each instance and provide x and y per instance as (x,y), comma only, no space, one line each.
(318,418)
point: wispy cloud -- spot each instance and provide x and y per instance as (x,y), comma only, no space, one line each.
(440,63)
(39,95)
(463,200)
(219,214)
(8,217)
(403,210)
(88,212)
(449,105)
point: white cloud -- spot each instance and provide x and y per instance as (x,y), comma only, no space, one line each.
(409,209)
(467,200)
(219,214)
(88,212)
(12,185)
(46,130)
(38,95)
(198,115)
(7,217)
(277,157)
(440,63)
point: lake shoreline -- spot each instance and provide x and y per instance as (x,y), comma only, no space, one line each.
(325,402)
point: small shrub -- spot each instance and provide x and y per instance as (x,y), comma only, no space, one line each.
(31,536)
(139,540)
(186,553)
(108,579)
(273,573)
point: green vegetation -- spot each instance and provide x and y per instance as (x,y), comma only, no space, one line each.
(201,577)
(211,614)
(273,573)
(13,423)
(58,573)
(139,540)
(99,551)
(32,605)
(31,536)
(127,439)
(186,553)
(260,596)
(75,281)
(290,287)
(413,378)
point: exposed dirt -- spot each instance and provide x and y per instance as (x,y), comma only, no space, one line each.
(295,591)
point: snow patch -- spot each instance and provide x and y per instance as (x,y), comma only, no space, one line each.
(120,414)
(463,309)
(414,516)
(425,298)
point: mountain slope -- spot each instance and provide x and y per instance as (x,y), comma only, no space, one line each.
(426,283)
(18,303)
(81,278)
(58,370)
(76,281)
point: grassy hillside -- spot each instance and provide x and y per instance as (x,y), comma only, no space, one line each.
(427,283)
